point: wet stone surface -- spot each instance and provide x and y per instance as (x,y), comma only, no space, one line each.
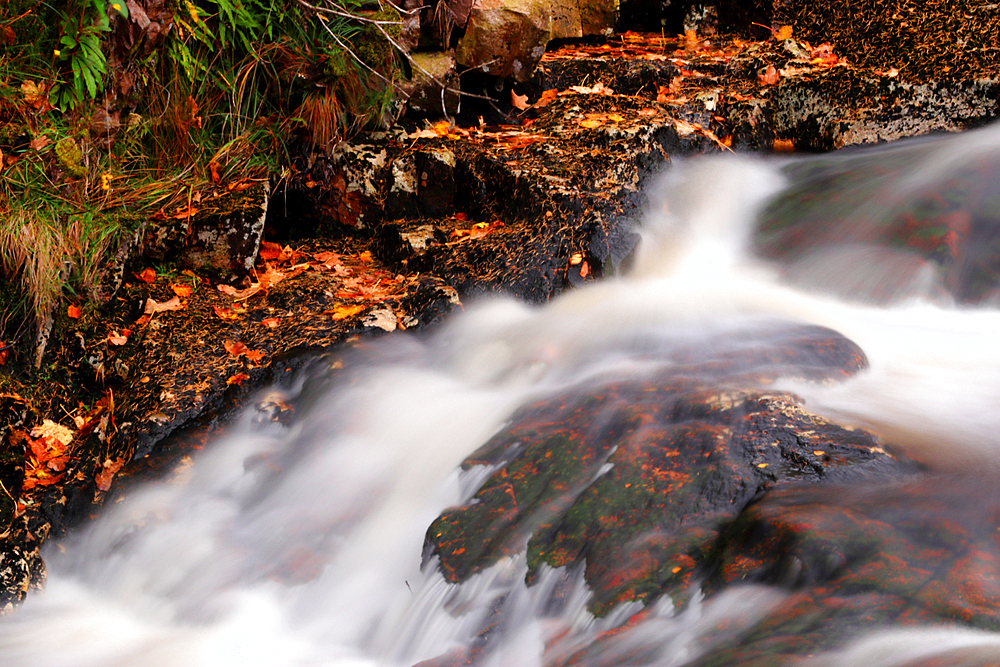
(638,477)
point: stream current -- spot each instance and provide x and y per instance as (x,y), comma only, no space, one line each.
(301,545)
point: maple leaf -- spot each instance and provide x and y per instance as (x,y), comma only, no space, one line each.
(235,348)
(783,33)
(181,290)
(107,473)
(147,275)
(519,101)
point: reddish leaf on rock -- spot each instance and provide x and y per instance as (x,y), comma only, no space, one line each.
(107,473)
(147,275)
(237,379)
(235,348)
(769,77)
(73,311)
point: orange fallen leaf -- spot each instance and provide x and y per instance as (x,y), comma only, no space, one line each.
(255,355)
(227,313)
(186,212)
(107,473)
(591,123)
(147,275)
(343,312)
(270,251)
(519,101)
(235,348)
(271,322)
(547,96)
(646,113)
(73,311)
(784,32)
(213,168)
(366,256)
(576,258)
(181,290)
(584,270)
(237,379)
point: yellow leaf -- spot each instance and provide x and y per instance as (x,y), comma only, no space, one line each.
(343,312)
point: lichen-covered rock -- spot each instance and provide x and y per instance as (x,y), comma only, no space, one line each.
(219,237)
(636,477)
(507,38)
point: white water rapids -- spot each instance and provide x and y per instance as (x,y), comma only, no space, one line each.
(301,545)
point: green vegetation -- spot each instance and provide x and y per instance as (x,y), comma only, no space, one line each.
(113,111)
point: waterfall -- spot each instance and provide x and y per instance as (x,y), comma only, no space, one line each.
(303,544)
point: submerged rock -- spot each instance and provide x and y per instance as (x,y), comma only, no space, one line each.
(637,477)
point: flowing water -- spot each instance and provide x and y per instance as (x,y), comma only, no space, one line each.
(302,544)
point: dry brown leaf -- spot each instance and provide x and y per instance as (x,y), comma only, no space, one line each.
(107,473)
(152,307)
(519,101)
(239,294)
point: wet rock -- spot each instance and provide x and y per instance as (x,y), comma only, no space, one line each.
(507,38)
(845,226)
(218,237)
(636,478)
(861,557)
